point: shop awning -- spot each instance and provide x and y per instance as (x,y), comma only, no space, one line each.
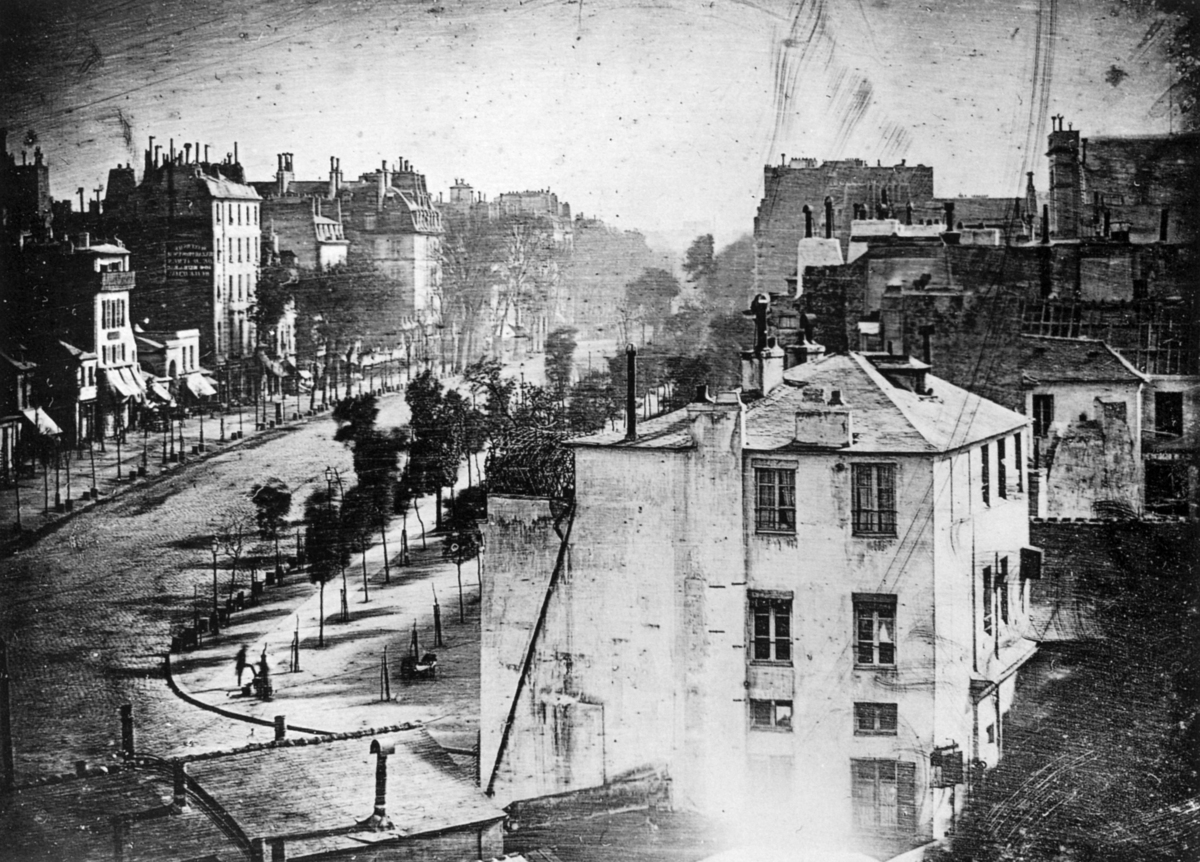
(120,387)
(305,375)
(37,417)
(274,366)
(159,392)
(133,378)
(199,387)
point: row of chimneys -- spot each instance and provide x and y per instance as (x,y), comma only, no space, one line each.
(184,156)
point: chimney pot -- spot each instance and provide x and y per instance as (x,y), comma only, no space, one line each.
(179,781)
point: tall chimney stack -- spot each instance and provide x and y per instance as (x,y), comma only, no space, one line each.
(808,222)
(379,819)
(630,392)
(1045,224)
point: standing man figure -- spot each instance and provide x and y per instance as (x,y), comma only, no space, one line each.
(241,664)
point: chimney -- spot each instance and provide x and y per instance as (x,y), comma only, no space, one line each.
(280,727)
(127,747)
(379,819)
(926,330)
(630,392)
(1164,222)
(1045,224)
(825,426)
(172,143)
(949,205)
(179,776)
(381,186)
(717,426)
(908,211)
(808,222)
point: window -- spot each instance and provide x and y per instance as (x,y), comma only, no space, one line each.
(875,719)
(239,284)
(1168,413)
(1002,588)
(771,628)
(1043,414)
(771,713)
(875,630)
(1167,487)
(884,795)
(1001,469)
(874,499)
(988,601)
(1019,451)
(985,473)
(776,500)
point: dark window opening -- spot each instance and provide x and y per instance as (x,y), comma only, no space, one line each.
(875,630)
(772,629)
(771,713)
(1001,470)
(875,719)
(1043,414)
(1168,414)
(775,509)
(874,499)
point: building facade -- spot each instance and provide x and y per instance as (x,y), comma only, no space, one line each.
(196,226)
(805,605)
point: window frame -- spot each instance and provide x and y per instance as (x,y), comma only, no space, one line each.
(870,776)
(776,720)
(1174,413)
(1042,407)
(778,607)
(877,481)
(985,473)
(872,718)
(779,491)
(878,606)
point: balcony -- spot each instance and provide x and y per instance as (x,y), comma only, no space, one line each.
(114,281)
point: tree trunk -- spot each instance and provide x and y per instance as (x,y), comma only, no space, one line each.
(437,512)
(366,590)
(417,510)
(321,617)
(387,572)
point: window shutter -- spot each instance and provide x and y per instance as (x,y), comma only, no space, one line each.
(906,798)
(1031,563)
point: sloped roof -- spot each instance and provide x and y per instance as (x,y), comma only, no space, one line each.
(219,187)
(885,418)
(331,786)
(1062,360)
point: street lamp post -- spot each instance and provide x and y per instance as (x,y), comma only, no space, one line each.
(216,616)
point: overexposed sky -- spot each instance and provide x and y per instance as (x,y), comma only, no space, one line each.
(648,114)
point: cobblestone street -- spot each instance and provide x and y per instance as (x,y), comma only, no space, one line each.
(90,608)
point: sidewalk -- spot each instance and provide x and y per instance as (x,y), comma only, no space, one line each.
(141,457)
(338,687)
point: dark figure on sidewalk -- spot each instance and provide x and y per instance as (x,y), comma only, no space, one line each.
(241,664)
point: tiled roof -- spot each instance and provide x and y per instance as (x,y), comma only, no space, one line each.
(72,819)
(306,790)
(885,418)
(1074,360)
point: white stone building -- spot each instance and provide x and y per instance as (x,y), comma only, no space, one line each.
(804,604)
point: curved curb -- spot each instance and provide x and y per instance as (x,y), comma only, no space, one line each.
(190,698)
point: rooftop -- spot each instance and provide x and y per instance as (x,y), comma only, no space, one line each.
(1043,359)
(886,418)
(322,791)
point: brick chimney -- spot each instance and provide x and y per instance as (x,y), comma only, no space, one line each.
(718,427)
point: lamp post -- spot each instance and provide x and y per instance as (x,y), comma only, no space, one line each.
(216,546)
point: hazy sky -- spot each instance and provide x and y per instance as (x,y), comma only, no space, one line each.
(649,114)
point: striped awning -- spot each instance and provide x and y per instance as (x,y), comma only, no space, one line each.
(199,387)
(37,417)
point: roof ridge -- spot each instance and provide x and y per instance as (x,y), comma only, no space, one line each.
(882,383)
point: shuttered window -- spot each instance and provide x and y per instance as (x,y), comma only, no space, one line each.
(884,797)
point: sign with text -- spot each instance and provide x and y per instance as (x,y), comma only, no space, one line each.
(189,260)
